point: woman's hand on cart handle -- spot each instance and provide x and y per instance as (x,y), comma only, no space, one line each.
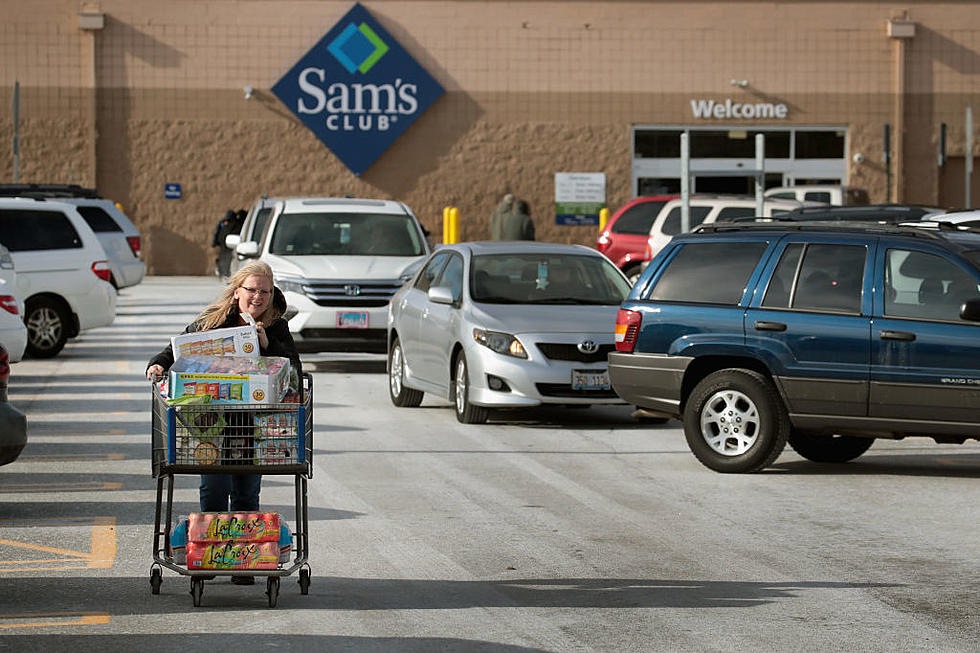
(154,373)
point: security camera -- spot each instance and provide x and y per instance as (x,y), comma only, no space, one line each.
(858,158)
(248,92)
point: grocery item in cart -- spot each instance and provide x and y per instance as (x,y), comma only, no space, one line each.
(239,527)
(178,541)
(275,437)
(232,555)
(232,341)
(231,379)
(285,543)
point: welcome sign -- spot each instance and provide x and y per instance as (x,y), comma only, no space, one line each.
(357,89)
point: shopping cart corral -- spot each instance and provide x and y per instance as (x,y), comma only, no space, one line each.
(212,438)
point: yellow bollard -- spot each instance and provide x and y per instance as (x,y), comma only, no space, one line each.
(603,219)
(445,226)
(454,224)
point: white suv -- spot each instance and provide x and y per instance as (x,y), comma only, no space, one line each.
(338,261)
(62,272)
(707,209)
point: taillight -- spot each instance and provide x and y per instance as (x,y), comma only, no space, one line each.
(101,270)
(603,243)
(4,369)
(9,304)
(134,244)
(627,328)
(648,252)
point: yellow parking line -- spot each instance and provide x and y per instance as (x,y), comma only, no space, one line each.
(118,431)
(101,554)
(41,619)
(94,485)
(40,547)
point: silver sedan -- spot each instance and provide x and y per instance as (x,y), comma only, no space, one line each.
(505,325)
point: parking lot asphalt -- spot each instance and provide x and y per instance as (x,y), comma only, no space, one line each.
(543,530)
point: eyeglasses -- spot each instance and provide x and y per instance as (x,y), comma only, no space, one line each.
(256,291)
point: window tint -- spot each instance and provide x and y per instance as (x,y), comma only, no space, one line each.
(777,293)
(672,223)
(921,285)
(452,276)
(637,219)
(712,273)
(258,226)
(732,212)
(817,196)
(23,230)
(431,271)
(346,234)
(831,278)
(785,195)
(98,219)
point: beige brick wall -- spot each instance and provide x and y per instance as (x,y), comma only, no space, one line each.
(533,88)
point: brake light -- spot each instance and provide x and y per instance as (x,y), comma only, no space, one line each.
(4,370)
(648,252)
(627,328)
(135,245)
(101,270)
(603,243)
(9,304)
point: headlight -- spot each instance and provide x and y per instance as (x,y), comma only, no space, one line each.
(502,343)
(290,285)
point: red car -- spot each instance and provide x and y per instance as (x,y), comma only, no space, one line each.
(624,240)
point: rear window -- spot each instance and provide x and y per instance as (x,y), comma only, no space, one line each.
(817,196)
(97,218)
(672,223)
(637,219)
(709,273)
(733,212)
(25,230)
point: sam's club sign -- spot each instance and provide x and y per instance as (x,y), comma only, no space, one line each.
(357,89)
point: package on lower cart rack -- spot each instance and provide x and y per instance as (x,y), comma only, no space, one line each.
(231,379)
(232,555)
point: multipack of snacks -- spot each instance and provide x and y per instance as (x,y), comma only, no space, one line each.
(230,379)
(275,438)
(232,341)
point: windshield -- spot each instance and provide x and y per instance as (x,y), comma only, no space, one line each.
(546,279)
(346,234)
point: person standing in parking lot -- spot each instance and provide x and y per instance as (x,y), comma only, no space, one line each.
(224,227)
(518,225)
(497,218)
(250,290)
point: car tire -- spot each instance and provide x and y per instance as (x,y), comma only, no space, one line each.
(466,412)
(47,327)
(735,421)
(633,272)
(829,448)
(401,395)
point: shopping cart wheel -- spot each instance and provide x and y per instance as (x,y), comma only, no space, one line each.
(272,590)
(156,580)
(197,588)
(304,581)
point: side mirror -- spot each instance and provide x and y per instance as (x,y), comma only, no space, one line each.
(970,310)
(232,240)
(248,249)
(441,295)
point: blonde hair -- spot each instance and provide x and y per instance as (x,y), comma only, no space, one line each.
(215,313)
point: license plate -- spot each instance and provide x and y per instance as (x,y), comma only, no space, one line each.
(590,380)
(352,320)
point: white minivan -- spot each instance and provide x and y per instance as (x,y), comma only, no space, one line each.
(338,261)
(13,333)
(62,272)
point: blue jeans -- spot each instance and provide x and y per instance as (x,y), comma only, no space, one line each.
(243,489)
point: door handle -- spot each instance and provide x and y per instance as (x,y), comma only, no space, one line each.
(766,325)
(897,335)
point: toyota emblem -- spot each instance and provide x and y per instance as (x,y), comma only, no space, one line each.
(588,347)
(352,290)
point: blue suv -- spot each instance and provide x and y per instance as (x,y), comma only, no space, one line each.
(825,335)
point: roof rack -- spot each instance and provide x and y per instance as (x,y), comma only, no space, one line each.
(38,191)
(817,225)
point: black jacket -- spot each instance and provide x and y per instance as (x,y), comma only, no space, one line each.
(280,343)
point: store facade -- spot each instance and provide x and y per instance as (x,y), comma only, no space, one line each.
(441,103)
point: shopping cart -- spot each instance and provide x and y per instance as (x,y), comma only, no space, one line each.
(232,439)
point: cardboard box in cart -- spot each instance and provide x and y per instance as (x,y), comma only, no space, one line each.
(231,379)
(233,341)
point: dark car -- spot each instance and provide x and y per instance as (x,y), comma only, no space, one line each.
(882,213)
(624,240)
(13,423)
(825,335)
